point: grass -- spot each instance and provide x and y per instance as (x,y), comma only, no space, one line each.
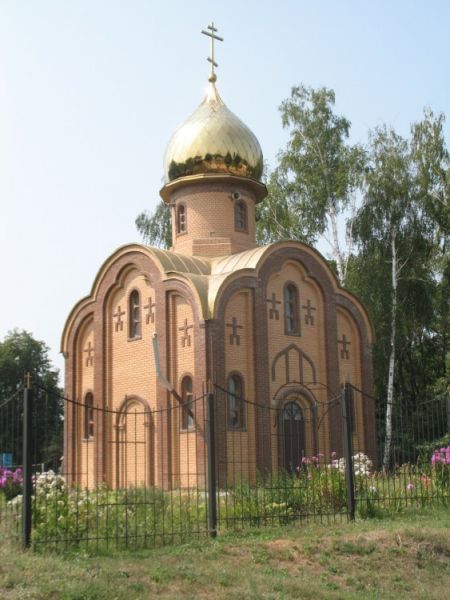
(403,557)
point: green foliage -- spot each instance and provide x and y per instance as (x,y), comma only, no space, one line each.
(277,217)
(156,228)
(317,176)
(403,183)
(319,170)
(132,518)
(20,353)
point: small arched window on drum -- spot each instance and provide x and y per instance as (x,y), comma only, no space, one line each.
(240,216)
(181,218)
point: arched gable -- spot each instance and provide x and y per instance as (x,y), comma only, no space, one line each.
(291,356)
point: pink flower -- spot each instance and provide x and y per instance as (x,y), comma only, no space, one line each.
(333,455)
(410,487)
(441,456)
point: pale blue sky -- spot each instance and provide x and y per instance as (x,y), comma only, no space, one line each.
(91,91)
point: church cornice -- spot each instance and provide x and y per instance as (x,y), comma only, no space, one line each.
(258,188)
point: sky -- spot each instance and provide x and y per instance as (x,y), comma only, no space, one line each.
(92,90)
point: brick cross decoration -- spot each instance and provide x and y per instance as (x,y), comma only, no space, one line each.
(150,316)
(185,338)
(309,317)
(118,315)
(90,354)
(345,343)
(273,310)
(234,337)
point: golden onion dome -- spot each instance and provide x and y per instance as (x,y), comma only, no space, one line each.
(213,140)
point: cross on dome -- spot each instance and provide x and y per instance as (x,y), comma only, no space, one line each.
(212,35)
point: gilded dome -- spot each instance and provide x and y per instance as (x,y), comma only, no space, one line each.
(213,140)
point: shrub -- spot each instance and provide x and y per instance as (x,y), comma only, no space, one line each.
(11,482)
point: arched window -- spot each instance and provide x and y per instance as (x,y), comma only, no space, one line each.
(187,416)
(135,315)
(291,310)
(235,402)
(294,436)
(89,416)
(181,219)
(240,216)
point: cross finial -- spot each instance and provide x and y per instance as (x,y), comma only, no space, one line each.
(212,34)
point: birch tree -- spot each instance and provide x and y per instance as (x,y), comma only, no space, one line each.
(156,228)
(319,172)
(388,217)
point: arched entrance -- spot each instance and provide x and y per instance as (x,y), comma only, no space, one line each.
(293,435)
(134,452)
(296,425)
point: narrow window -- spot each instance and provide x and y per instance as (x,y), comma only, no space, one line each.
(135,315)
(187,417)
(89,416)
(235,404)
(291,309)
(240,216)
(181,219)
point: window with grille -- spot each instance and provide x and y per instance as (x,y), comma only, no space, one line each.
(187,416)
(181,219)
(240,216)
(89,416)
(135,315)
(235,402)
(291,309)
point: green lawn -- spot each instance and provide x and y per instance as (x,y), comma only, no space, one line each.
(403,557)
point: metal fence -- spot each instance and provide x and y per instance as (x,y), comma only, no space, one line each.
(219,462)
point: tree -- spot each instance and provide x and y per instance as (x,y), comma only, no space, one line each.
(318,172)
(397,241)
(20,353)
(156,228)
(432,164)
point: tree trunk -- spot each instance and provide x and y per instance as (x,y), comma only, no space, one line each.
(390,385)
(337,254)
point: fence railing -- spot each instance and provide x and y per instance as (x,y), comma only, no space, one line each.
(136,477)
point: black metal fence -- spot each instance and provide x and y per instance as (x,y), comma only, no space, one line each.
(137,478)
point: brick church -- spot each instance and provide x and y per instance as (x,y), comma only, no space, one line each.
(266,323)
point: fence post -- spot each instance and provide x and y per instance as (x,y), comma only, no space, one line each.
(27,445)
(346,398)
(211,452)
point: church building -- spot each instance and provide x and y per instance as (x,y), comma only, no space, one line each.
(268,324)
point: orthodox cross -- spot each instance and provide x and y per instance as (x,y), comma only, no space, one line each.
(345,343)
(234,337)
(309,317)
(212,34)
(273,310)
(118,315)
(185,338)
(150,316)
(90,351)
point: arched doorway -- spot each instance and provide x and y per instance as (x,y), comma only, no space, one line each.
(293,436)
(134,456)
